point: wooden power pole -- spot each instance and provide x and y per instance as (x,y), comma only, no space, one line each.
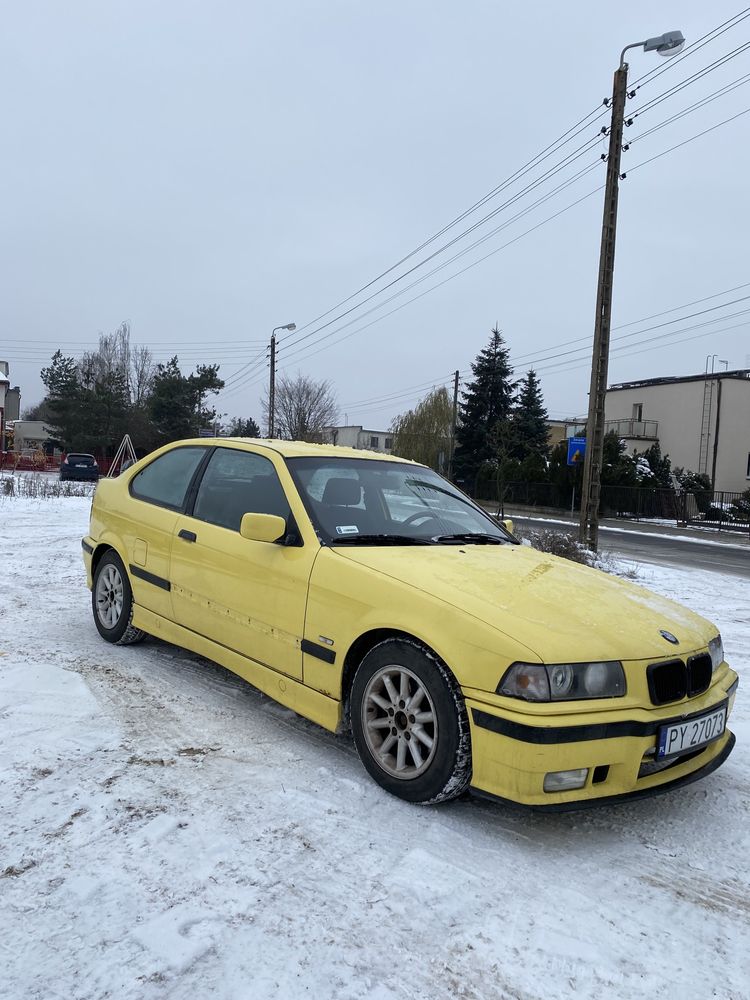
(272,390)
(592,463)
(453,424)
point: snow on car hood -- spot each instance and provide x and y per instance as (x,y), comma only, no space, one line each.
(563,611)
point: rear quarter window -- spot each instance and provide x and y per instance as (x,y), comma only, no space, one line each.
(165,481)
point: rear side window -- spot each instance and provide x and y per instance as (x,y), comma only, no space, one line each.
(165,481)
(237,483)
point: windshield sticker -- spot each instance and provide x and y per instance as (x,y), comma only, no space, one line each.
(347,529)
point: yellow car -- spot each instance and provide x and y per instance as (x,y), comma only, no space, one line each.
(369,592)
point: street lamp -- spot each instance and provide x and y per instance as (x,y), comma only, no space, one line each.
(668,44)
(272,387)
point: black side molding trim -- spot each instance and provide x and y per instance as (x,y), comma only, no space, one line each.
(613,800)
(142,574)
(733,688)
(86,547)
(322,652)
(572,734)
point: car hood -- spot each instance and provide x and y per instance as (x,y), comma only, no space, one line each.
(561,610)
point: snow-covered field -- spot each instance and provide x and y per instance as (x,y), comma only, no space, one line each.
(167,832)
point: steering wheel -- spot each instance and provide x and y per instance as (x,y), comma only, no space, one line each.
(421,515)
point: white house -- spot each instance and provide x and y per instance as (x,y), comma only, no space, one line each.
(701,421)
(356,436)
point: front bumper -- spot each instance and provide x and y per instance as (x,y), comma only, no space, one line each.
(511,756)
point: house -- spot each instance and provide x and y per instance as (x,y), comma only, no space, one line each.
(31,435)
(701,421)
(356,436)
(10,401)
(560,430)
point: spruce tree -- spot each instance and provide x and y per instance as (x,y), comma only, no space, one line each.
(486,402)
(529,420)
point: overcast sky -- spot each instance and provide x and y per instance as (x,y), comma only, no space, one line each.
(207,171)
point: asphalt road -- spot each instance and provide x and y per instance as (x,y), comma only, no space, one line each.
(661,551)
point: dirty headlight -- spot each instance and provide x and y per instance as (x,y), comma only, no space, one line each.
(716,649)
(564,681)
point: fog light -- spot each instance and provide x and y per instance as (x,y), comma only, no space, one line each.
(564,781)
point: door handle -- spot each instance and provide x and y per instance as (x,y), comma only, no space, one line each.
(188,536)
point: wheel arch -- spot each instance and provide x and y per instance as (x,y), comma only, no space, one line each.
(98,554)
(362,646)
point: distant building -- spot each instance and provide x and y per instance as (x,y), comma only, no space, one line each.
(31,435)
(356,436)
(10,401)
(701,421)
(561,430)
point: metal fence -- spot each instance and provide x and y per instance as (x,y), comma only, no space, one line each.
(718,509)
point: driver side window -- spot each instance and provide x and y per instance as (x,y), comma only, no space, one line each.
(237,483)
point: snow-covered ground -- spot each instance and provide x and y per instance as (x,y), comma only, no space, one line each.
(167,832)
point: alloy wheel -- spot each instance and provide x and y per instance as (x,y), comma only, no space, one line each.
(109,596)
(399,722)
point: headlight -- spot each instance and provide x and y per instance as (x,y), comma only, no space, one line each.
(716,649)
(563,681)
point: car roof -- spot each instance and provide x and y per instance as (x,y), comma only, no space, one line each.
(301,449)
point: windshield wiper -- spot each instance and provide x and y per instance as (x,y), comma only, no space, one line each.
(379,540)
(473,537)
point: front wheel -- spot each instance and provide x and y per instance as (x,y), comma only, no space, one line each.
(410,724)
(112,602)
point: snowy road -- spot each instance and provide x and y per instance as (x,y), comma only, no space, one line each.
(167,832)
(637,542)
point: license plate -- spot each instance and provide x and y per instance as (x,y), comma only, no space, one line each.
(691,733)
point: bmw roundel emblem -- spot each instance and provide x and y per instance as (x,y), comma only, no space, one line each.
(669,637)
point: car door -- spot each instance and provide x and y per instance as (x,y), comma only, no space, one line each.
(247,595)
(158,494)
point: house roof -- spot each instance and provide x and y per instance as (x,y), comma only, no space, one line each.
(738,373)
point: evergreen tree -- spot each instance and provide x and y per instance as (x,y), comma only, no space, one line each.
(529,422)
(660,466)
(65,402)
(240,428)
(487,402)
(177,402)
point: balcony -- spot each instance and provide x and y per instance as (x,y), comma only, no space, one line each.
(645,430)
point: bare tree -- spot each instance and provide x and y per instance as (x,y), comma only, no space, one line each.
(424,433)
(303,408)
(141,374)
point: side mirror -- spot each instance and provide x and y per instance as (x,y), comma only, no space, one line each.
(262,527)
(508,525)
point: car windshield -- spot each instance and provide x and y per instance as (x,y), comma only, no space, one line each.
(355,501)
(81,459)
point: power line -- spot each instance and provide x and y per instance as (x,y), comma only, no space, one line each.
(549,150)
(697,106)
(585,341)
(686,141)
(297,348)
(544,154)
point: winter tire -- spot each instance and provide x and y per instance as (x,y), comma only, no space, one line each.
(410,724)
(112,602)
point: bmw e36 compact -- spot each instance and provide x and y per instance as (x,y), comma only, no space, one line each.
(368,592)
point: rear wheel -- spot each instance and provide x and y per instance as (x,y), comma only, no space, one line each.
(112,602)
(410,724)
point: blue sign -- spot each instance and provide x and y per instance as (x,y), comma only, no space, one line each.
(576,450)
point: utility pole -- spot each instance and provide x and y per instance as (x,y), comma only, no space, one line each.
(667,44)
(272,388)
(453,424)
(592,463)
